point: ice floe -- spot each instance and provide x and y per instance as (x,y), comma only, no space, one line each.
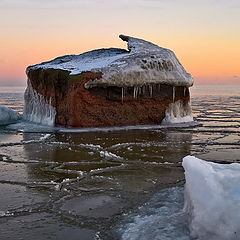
(8,116)
(212,199)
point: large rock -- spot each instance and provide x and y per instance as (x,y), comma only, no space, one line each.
(109,87)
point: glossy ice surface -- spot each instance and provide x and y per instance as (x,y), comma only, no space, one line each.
(86,185)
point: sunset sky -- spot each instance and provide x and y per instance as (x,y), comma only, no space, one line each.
(205,35)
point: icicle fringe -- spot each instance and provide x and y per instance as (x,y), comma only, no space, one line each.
(37,109)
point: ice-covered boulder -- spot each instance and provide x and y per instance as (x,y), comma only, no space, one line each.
(8,116)
(108,87)
(212,199)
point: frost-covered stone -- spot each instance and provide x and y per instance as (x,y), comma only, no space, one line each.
(8,116)
(212,199)
(109,87)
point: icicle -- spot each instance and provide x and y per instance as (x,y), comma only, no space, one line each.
(139,91)
(37,109)
(174,90)
(135,92)
(150,90)
(122,94)
(184,91)
(157,88)
(178,112)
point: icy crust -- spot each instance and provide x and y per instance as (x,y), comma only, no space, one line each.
(145,63)
(90,61)
(37,109)
(177,112)
(8,116)
(212,199)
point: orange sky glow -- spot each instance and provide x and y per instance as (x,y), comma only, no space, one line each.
(204,34)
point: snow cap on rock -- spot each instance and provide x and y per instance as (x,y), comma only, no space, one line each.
(143,64)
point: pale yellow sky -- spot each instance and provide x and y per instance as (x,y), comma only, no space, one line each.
(205,35)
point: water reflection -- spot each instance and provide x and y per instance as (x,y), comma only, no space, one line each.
(135,160)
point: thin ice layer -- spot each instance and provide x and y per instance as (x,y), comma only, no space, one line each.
(160,219)
(144,63)
(8,116)
(212,199)
(37,109)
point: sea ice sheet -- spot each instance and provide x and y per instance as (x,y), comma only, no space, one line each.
(212,199)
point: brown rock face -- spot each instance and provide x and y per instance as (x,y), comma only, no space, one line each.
(77,106)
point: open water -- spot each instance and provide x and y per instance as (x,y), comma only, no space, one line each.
(112,184)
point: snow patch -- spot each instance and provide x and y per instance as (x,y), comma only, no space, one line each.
(178,112)
(212,199)
(89,61)
(109,155)
(8,116)
(46,136)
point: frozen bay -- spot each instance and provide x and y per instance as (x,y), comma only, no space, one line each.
(93,185)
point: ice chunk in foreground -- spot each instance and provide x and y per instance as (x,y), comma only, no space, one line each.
(8,116)
(212,199)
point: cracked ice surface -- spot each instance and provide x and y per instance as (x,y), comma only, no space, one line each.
(144,63)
